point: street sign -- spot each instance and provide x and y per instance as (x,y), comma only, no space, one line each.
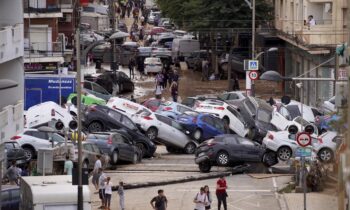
(253,65)
(303,139)
(303,152)
(253,75)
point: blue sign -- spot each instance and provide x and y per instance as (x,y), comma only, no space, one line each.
(303,152)
(253,65)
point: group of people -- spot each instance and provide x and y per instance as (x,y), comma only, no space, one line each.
(202,200)
(104,186)
(163,79)
(13,173)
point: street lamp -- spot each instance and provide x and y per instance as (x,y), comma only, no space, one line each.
(272,49)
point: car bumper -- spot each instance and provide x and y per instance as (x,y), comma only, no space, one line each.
(270,144)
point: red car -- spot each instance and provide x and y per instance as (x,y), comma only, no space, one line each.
(152,104)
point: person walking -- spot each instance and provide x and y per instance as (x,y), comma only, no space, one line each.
(174,90)
(205,69)
(101,187)
(158,91)
(200,200)
(160,202)
(12,173)
(108,193)
(95,172)
(221,193)
(121,195)
(165,79)
(131,67)
(68,166)
(209,196)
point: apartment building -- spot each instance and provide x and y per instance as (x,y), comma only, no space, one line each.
(11,70)
(311,29)
(48,34)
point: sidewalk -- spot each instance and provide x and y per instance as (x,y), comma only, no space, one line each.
(314,201)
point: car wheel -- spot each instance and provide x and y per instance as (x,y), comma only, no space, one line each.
(222,158)
(116,89)
(115,157)
(29,153)
(152,133)
(85,164)
(135,159)
(197,134)
(142,148)
(270,159)
(325,155)
(95,127)
(190,148)
(284,153)
(204,167)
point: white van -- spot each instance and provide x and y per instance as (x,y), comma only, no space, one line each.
(182,48)
(51,193)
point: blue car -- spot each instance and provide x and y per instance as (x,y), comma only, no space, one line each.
(172,109)
(201,126)
(10,197)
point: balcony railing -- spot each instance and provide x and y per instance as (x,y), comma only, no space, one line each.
(11,121)
(44,49)
(11,42)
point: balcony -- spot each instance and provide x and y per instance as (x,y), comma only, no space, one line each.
(11,121)
(40,9)
(44,52)
(11,42)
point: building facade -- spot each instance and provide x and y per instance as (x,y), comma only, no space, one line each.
(312,29)
(11,70)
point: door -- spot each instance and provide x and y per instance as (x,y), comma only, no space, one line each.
(165,132)
(237,123)
(114,121)
(41,139)
(128,148)
(89,154)
(40,39)
(250,152)
(208,126)
(119,141)
(280,118)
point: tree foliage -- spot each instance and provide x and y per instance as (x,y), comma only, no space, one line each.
(207,14)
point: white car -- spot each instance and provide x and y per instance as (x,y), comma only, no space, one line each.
(46,113)
(233,96)
(296,109)
(31,140)
(224,111)
(329,105)
(165,130)
(124,105)
(285,145)
(153,65)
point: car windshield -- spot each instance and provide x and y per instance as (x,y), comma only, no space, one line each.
(264,115)
(294,111)
(301,121)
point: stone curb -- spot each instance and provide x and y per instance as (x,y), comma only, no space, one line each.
(174,181)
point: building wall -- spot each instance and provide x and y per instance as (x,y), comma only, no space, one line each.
(51,22)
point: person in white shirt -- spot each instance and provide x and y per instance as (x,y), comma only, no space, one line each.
(201,200)
(311,20)
(68,166)
(108,193)
(101,187)
(95,172)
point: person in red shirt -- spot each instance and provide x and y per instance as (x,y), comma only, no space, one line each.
(221,193)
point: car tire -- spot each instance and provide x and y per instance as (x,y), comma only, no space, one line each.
(85,164)
(152,133)
(269,159)
(284,153)
(222,158)
(325,155)
(115,157)
(190,148)
(142,148)
(95,127)
(197,134)
(29,153)
(204,167)
(115,89)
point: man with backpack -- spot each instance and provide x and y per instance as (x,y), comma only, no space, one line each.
(201,200)
(159,202)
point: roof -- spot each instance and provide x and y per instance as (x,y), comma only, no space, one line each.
(54,189)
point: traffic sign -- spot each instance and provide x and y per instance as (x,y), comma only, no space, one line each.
(253,75)
(303,152)
(253,65)
(304,139)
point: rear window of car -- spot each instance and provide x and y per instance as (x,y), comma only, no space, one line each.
(144,113)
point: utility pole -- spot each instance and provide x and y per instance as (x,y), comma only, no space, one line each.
(112,20)
(253,46)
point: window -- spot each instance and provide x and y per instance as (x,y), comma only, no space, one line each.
(95,148)
(218,123)
(9,146)
(223,96)
(39,135)
(117,139)
(176,125)
(143,113)
(182,109)
(285,113)
(235,113)
(293,111)
(250,107)
(115,115)
(209,120)
(125,140)
(87,85)
(87,147)
(99,89)
(264,116)
(233,96)
(57,138)
(154,103)
(164,119)
(128,123)
(231,140)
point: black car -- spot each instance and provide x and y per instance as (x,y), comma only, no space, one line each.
(10,197)
(99,118)
(257,114)
(117,145)
(230,150)
(113,83)
(194,61)
(15,152)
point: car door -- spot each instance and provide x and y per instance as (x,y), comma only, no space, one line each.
(281,118)
(114,121)
(237,123)
(208,126)
(89,154)
(41,139)
(164,128)
(181,109)
(233,147)
(128,148)
(219,125)
(119,142)
(250,151)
